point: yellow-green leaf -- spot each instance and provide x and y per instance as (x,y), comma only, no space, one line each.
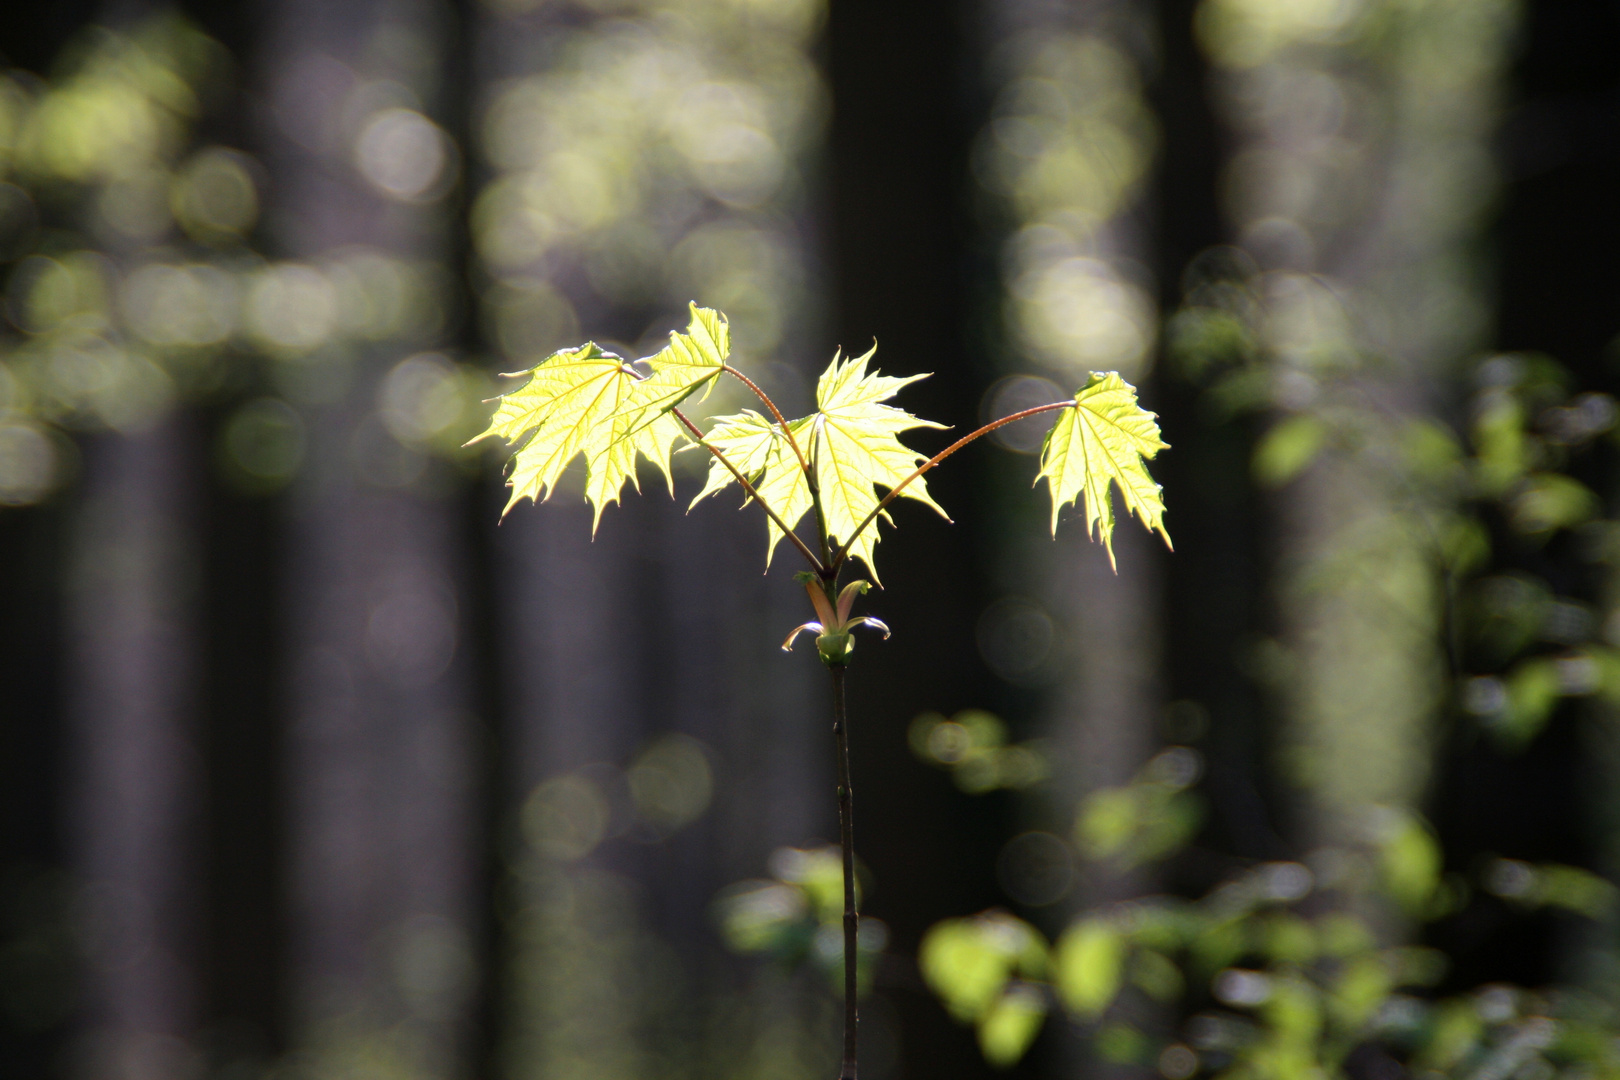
(1090,964)
(587,401)
(968,962)
(1288,449)
(690,360)
(1011,1025)
(1104,440)
(856,446)
(853,445)
(964,967)
(760,451)
(1410,859)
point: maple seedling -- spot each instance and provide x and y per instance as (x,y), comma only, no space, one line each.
(588,402)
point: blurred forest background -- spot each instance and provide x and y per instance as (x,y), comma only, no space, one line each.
(309,769)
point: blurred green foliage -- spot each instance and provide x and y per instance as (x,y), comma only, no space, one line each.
(973,746)
(1069,144)
(796,916)
(1498,490)
(1146,819)
(1280,972)
(1287,969)
(661,153)
(133,282)
(986,970)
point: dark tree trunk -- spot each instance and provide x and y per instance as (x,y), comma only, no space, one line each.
(381,741)
(906,102)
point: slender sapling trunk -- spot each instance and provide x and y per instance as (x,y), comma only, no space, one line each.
(586,400)
(846,838)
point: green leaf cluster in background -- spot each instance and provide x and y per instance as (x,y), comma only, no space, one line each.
(1153,816)
(1278,975)
(1285,969)
(1490,498)
(796,916)
(135,284)
(973,745)
(987,971)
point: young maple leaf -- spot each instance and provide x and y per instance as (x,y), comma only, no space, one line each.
(587,401)
(856,445)
(852,442)
(762,453)
(1104,439)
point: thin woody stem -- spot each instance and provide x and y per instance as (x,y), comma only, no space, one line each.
(846,838)
(804,465)
(894,492)
(777,413)
(815,563)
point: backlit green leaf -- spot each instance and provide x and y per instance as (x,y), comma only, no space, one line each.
(1104,440)
(1533,690)
(856,446)
(968,962)
(963,967)
(1288,449)
(587,401)
(1011,1025)
(1548,501)
(853,445)
(761,452)
(1410,859)
(1090,964)
(690,360)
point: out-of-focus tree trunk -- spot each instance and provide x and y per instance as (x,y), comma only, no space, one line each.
(1359,185)
(135,781)
(1214,583)
(1063,167)
(1556,242)
(37,852)
(382,825)
(136,786)
(1074,300)
(649,655)
(903,79)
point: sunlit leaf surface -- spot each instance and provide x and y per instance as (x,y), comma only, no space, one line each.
(853,443)
(1104,439)
(857,446)
(587,401)
(758,448)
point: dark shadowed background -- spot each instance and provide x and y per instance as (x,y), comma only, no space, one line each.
(312,765)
